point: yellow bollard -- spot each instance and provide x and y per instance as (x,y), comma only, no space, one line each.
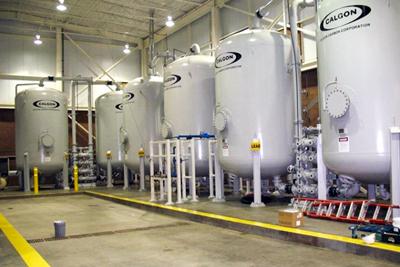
(76,186)
(35,181)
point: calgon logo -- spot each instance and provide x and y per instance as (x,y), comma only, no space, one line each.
(128,96)
(226,59)
(119,106)
(46,104)
(171,80)
(344,16)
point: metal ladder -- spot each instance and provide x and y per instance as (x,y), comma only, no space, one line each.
(352,211)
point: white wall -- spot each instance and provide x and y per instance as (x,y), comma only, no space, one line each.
(19,56)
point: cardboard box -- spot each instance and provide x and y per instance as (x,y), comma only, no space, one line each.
(291,218)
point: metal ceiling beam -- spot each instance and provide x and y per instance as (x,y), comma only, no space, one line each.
(70,27)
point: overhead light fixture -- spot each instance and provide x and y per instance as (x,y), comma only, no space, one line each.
(126,49)
(37,40)
(61,6)
(169,23)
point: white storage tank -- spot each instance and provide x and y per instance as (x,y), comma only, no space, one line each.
(109,118)
(254,99)
(41,126)
(189,102)
(359,85)
(143,109)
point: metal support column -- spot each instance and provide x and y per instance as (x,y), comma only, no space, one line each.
(168,170)
(395,168)
(178,172)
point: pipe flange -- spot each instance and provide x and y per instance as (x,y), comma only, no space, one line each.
(337,103)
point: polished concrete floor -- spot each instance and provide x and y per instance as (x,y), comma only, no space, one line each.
(107,234)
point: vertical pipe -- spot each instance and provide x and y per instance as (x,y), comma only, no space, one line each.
(65,171)
(59,57)
(215,27)
(73,125)
(178,172)
(151,43)
(210,169)
(152,189)
(395,168)
(90,125)
(241,184)
(35,181)
(248,186)
(160,159)
(126,180)
(169,176)
(27,186)
(184,198)
(321,169)
(193,168)
(284,16)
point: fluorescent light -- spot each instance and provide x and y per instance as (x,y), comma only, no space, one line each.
(61,6)
(169,23)
(37,40)
(126,49)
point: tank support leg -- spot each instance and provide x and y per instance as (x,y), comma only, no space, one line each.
(321,169)
(109,173)
(211,174)
(141,181)
(257,180)
(371,192)
(236,186)
(65,172)
(178,173)
(27,186)
(248,186)
(241,184)
(395,168)
(126,180)
(219,180)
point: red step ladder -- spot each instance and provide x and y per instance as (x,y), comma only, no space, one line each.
(351,211)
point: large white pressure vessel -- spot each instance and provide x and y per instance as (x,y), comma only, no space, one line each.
(41,129)
(189,102)
(359,83)
(143,109)
(109,119)
(254,99)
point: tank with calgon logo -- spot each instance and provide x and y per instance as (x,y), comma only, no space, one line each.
(359,85)
(189,102)
(254,100)
(143,109)
(41,128)
(109,118)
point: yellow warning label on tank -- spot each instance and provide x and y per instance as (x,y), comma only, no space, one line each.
(255,145)
(141,153)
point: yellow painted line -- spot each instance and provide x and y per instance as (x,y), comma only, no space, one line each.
(339,238)
(30,256)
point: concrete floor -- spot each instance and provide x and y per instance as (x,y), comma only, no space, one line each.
(150,240)
(233,207)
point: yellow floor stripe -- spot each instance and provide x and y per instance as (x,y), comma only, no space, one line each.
(30,256)
(339,238)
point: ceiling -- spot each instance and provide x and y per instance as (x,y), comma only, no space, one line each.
(117,20)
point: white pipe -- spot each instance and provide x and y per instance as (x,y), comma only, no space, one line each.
(178,172)
(152,189)
(260,14)
(142,174)
(210,170)
(73,125)
(168,170)
(126,181)
(193,168)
